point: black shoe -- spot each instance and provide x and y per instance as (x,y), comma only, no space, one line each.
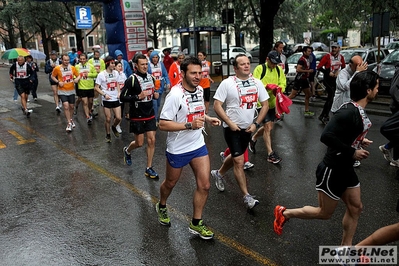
(251,145)
(116,133)
(273,158)
(323,120)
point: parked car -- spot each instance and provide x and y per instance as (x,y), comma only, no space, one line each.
(386,72)
(368,55)
(175,51)
(104,55)
(392,46)
(293,61)
(233,52)
(255,53)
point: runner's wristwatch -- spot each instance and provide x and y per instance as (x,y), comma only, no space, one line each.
(188,125)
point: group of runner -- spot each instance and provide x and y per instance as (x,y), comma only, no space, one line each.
(237,99)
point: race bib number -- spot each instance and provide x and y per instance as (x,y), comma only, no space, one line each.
(21,74)
(148,92)
(249,98)
(67,78)
(111,86)
(196,110)
(84,74)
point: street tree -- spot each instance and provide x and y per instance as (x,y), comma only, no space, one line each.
(265,22)
(158,18)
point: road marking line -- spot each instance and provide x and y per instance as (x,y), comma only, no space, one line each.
(21,140)
(2,145)
(225,240)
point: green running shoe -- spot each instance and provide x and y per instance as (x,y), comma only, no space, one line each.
(201,230)
(163,216)
(308,113)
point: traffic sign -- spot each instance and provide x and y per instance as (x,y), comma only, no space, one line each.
(83,17)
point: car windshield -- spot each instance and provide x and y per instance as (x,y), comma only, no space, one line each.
(393,45)
(293,59)
(392,58)
(348,54)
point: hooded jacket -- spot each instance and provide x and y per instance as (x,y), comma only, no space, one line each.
(126,68)
(165,77)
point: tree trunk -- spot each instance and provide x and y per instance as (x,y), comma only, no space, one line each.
(155,35)
(22,37)
(46,41)
(269,10)
(79,40)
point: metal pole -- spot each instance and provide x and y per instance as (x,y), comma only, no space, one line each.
(228,38)
(194,33)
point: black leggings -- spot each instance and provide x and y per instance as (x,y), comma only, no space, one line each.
(390,130)
(330,89)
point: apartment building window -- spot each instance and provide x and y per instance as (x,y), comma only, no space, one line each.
(72,41)
(90,41)
(163,42)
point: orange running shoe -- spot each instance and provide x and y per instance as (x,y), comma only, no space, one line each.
(279,220)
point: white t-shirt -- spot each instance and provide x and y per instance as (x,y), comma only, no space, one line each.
(121,79)
(177,106)
(108,83)
(240,97)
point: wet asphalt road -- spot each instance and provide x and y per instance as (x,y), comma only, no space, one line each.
(68,199)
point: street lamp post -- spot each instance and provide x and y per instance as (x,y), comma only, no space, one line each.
(227,39)
(194,33)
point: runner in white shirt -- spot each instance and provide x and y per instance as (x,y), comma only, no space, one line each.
(240,94)
(107,85)
(183,116)
(121,80)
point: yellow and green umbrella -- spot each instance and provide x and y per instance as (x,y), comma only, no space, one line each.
(14,53)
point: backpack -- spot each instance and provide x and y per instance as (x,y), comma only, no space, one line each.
(264,71)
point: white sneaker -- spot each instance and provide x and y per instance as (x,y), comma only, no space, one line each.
(118,128)
(219,182)
(386,153)
(69,127)
(222,158)
(250,201)
(28,112)
(248,165)
(72,124)
(58,109)
(394,163)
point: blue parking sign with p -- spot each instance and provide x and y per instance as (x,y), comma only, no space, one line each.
(83,17)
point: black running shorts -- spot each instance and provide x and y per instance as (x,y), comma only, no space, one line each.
(110,105)
(301,84)
(86,93)
(237,141)
(334,181)
(140,127)
(67,98)
(207,94)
